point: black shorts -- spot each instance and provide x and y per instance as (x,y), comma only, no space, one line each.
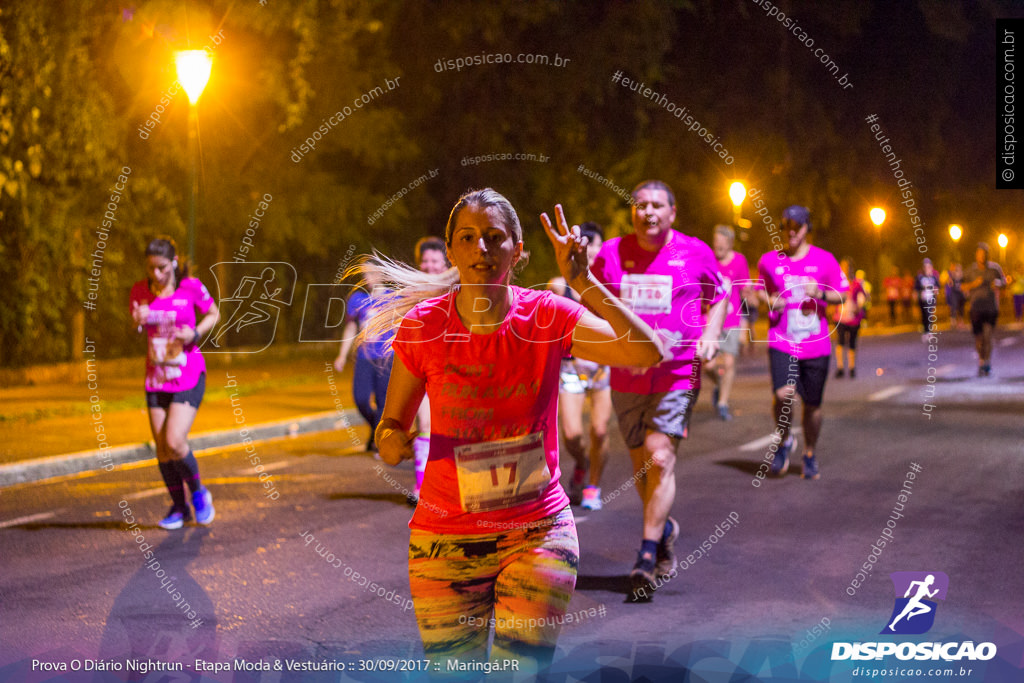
(748,311)
(847,335)
(808,375)
(164,399)
(981,318)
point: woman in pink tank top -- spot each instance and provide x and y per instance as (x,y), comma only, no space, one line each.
(164,306)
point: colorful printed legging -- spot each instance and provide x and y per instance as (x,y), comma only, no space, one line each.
(525,576)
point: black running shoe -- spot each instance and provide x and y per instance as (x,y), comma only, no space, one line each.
(666,563)
(641,579)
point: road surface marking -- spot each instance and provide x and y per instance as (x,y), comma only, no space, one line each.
(1008,341)
(148,493)
(26,520)
(886,393)
(765,441)
(266,468)
(249,478)
(945,370)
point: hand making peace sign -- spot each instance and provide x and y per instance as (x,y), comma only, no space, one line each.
(570,247)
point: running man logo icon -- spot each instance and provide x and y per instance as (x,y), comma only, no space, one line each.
(250,314)
(914,612)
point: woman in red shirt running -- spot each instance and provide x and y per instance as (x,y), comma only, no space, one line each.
(493,540)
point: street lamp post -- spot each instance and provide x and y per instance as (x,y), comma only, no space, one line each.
(955,233)
(1003,240)
(193,68)
(877,215)
(737,193)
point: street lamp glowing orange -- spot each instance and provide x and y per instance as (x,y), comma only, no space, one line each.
(1003,240)
(877,215)
(956,232)
(737,193)
(193,68)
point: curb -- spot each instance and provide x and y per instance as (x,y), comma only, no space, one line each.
(40,469)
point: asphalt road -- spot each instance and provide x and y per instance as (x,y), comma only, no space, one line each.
(766,602)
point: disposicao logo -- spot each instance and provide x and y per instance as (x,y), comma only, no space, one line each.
(913,614)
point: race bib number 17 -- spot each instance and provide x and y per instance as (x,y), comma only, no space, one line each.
(500,474)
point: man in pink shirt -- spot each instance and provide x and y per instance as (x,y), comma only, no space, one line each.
(664,276)
(800,282)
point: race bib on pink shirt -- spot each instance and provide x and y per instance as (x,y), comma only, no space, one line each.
(646,293)
(800,325)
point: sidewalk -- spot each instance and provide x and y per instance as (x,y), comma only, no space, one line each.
(50,428)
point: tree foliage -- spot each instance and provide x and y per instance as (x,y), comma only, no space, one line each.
(80,81)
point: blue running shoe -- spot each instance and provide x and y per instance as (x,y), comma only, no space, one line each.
(202,501)
(592,498)
(780,465)
(176,518)
(810,467)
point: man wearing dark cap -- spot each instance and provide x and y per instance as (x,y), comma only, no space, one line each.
(926,285)
(982,281)
(800,280)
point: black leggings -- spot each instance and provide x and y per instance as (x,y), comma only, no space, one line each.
(927,316)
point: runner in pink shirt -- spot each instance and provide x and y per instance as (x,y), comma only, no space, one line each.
(165,306)
(848,318)
(800,282)
(736,279)
(666,277)
(493,536)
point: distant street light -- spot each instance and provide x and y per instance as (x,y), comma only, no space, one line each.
(955,233)
(877,215)
(1003,240)
(193,68)
(737,193)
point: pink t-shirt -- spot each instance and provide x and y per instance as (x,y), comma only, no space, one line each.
(493,462)
(850,313)
(666,288)
(170,366)
(799,326)
(735,276)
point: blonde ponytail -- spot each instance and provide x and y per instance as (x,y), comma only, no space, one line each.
(407,286)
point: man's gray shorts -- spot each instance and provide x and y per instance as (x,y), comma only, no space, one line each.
(667,412)
(730,342)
